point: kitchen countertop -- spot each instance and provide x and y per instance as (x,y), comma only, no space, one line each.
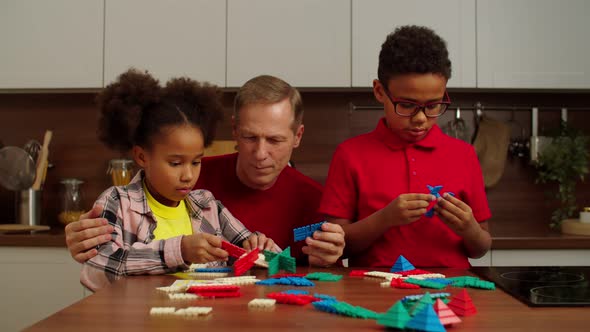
(501,239)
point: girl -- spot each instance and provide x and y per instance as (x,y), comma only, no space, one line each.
(160,224)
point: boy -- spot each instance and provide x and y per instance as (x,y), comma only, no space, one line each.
(377,183)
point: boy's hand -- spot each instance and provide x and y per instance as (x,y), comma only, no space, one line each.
(325,247)
(202,248)
(259,241)
(457,215)
(407,208)
(84,235)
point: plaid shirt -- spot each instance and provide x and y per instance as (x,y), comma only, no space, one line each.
(133,250)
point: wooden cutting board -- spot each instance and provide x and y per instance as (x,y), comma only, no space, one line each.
(575,227)
(18,228)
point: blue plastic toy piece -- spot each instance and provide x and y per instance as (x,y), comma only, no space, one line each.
(402,264)
(296,292)
(426,320)
(434,190)
(300,233)
(214,269)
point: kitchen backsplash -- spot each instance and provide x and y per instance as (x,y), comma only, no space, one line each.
(517,203)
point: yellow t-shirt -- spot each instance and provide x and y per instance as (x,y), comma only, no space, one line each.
(170,221)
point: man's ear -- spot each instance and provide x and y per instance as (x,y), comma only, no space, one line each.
(298,135)
(379,91)
(139,156)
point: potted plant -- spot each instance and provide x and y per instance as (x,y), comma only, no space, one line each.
(565,161)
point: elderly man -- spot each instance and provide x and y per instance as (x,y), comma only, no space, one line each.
(255,184)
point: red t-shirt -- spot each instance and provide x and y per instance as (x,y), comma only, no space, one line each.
(291,202)
(367,172)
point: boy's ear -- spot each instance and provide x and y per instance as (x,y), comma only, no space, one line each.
(139,156)
(379,91)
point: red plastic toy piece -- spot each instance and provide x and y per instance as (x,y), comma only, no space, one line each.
(218,294)
(399,283)
(413,272)
(445,314)
(462,305)
(358,273)
(232,250)
(286,275)
(213,289)
(245,262)
(291,298)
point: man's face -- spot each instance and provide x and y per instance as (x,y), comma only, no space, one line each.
(266,139)
(420,88)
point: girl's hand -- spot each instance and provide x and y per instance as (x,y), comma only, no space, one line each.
(202,248)
(260,241)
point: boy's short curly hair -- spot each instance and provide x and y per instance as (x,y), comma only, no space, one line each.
(413,49)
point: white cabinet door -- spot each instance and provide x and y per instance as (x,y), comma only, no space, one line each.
(51,44)
(533,44)
(373,20)
(36,282)
(305,42)
(168,38)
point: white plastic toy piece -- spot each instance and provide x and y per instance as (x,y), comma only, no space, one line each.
(194,311)
(261,261)
(241,280)
(386,284)
(208,274)
(428,276)
(183,296)
(172,289)
(384,275)
(262,303)
(162,311)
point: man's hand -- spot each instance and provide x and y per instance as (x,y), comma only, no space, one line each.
(202,248)
(84,235)
(325,247)
(259,241)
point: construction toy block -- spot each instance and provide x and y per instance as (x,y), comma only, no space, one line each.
(324,297)
(425,283)
(399,283)
(443,281)
(426,320)
(402,264)
(462,305)
(286,275)
(220,294)
(301,299)
(424,301)
(381,274)
(232,250)
(326,306)
(434,190)
(280,261)
(193,311)
(347,309)
(445,314)
(162,311)
(196,289)
(286,281)
(417,297)
(245,262)
(323,276)
(300,233)
(262,303)
(473,282)
(413,272)
(183,296)
(396,317)
(213,269)
(296,292)
(357,273)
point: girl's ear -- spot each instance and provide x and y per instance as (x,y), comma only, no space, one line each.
(139,156)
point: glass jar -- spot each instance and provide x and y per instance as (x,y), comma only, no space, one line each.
(121,171)
(71,201)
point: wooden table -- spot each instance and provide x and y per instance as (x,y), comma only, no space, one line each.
(125,306)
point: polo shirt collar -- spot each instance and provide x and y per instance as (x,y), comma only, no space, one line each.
(385,135)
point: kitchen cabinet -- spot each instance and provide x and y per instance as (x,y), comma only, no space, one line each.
(305,42)
(541,257)
(36,282)
(533,44)
(51,44)
(168,38)
(453,20)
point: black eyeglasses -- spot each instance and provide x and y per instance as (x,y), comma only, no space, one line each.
(410,108)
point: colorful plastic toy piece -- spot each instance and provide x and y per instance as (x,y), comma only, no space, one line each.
(425,283)
(245,262)
(326,306)
(198,289)
(401,264)
(424,301)
(291,298)
(426,320)
(232,250)
(399,283)
(357,273)
(296,292)
(300,233)
(323,276)
(324,297)
(445,314)
(280,261)
(434,190)
(396,317)
(473,282)
(413,272)
(462,305)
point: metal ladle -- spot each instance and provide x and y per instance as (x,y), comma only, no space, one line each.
(17,168)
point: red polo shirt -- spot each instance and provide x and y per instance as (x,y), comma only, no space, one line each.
(291,202)
(367,172)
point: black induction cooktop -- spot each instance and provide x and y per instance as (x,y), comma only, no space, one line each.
(542,286)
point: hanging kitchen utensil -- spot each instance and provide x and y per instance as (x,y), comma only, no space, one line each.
(42,162)
(491,144)
(457,127)
(17,168)
(33,147)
